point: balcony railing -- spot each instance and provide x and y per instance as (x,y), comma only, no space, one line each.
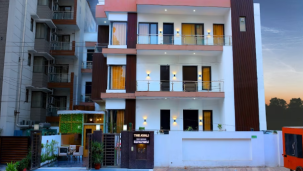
(99,46)
(61,45)
(53,111)
(59,77)
(87,65)
(63,15)
(184,39)
(86,98)
(180,86)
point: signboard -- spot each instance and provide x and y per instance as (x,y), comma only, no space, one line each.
(141,138)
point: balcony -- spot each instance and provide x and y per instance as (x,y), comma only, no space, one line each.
(60,80)
(87,67)
(63,49)
(53,111)
(67,16)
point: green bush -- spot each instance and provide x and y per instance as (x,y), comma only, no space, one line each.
(11,166)
(25,163)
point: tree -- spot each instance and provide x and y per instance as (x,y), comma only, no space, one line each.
(276,102)
(295,103)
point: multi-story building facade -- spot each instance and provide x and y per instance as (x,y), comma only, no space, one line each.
(44,47)
(180,65)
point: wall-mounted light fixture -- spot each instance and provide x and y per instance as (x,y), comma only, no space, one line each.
(144,120)
(36,127)
(104,21)
(148,75)
(98,127)
(124,127)
(174,120)
(91,119)
(200,120)
(208,31)
(160,31)
(174,75)
(200,76)
(177,32)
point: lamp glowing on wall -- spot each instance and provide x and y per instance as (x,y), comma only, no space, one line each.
(91,119)
(177,32)
(200,76)
(174,75)
(160,31)
(208,31)
(36,127)
(98,127)
(144,120)
(124,127)
(174,120)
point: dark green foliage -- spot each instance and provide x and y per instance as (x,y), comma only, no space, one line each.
(71,123)
(97,151)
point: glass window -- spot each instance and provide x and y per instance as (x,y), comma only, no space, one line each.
(40,65)
(115,121)
(242,24)
(190,120)
(38,99)
(32,24)
(29,59)
(117,77)
(148,33)
(90,53)
(42,31)
(119,33)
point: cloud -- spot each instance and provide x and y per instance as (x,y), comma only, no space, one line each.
(271,30)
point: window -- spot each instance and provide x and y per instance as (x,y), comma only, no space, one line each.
(206,78)
(90,53)
(32,25)
(148,33)
(88,88)
(117,77)
(29,59)
(26,95)
(38,99)
(40,65)
(207,120)
(42,31)
(45,2)
(115,121)
(190,120)
(243,24)
(119,33)
(164,77)
(165,120)
(192,34)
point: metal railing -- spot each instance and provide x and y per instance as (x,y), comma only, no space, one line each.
(99,46)
(87,65)
(63,15)
(185,86)
(61,45)
(59,77)
(53,111)
(178,39)
(86,98)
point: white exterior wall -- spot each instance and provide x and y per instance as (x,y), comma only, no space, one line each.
(216,149)
(150,110)
(260,75)
(14,39)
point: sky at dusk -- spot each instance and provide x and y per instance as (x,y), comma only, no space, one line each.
(282,38)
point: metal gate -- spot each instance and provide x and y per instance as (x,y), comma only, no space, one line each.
(36,137)
(112,152)
(90,156)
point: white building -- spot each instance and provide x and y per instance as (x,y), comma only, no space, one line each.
(43,53)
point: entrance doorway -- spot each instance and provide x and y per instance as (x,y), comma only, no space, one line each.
(218,34)
(164,77)
(190,74)
(168,33)
(190,120)
(207,120)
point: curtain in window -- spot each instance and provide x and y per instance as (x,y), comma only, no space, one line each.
(218,34)
(119,33)
(207,120)
(40,31)
(120,121)
(143,33)
(39,64)
(206,78)
(118,77)
(188,34)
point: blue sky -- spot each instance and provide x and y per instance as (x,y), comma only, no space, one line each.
(282,38)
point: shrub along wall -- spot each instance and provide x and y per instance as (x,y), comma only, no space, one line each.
(71,123)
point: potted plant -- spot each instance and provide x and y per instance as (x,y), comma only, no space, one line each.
(11,166)
(97,154)
(190,128)
(220,127)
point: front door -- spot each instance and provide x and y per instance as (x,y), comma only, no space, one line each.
(164,77)
(87,129)
(168,33)
(207,120)
(190,78)
(219,34)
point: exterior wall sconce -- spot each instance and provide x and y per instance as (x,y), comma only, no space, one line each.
(201,120)
(144,120)
(124,127)
(208,31)
(174,75)
(98,127)
(174,120)
(91,119)
(200,76)
(148,75)
(36,127)
(160,31)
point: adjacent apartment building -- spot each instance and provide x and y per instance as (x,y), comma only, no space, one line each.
(45,48)
(175,65)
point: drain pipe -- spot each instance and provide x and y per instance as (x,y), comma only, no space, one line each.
(17,109)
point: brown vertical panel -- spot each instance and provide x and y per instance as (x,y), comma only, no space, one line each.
(245,67)
(131,30)
(131,68)
(99,76)
(130,112)
(103,34)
